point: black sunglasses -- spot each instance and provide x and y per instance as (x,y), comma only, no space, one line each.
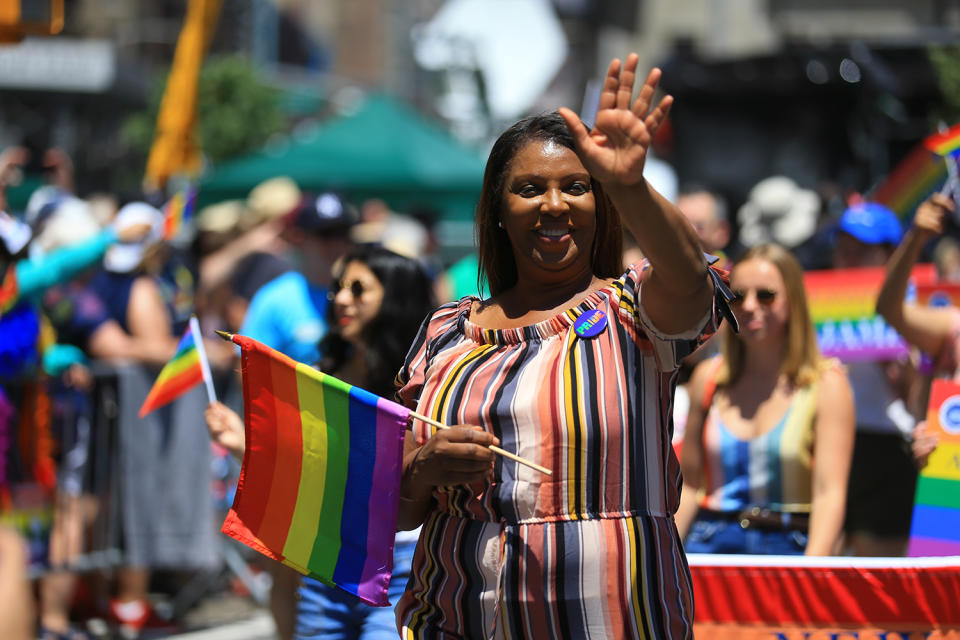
(356,288)
(764,296)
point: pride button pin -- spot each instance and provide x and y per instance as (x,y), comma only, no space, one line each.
(590,323)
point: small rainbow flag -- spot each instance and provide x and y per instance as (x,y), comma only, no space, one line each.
(9,291)
(935,528)
(187,369)
(946,142)
(320,483)
(178,211)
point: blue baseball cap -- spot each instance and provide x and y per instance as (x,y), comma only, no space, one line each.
(871,223)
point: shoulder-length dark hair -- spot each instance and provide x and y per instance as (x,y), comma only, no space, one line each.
(407,299)
(497,264)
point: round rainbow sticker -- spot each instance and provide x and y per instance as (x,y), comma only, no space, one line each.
(590,323)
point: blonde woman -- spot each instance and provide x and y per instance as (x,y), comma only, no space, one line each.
(769,437)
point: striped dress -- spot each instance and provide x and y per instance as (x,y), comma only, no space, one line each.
(591,551)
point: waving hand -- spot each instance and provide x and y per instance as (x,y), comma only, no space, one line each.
(615,150)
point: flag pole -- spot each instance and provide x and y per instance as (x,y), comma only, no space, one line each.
(204,363)
(506,454)
(495,449)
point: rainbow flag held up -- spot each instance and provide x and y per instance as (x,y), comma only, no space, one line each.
(912,181)
(184,371)
(924,170)
(945,143)
(320,483)
(178,211)
(935,528)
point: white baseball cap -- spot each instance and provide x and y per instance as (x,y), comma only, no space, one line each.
(125,257)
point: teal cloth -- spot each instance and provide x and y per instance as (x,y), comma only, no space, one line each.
(36,275)
(60,357)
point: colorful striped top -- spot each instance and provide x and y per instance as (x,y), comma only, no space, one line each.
(591,551)
(773,470)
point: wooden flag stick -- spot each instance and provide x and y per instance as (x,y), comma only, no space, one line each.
(502,452)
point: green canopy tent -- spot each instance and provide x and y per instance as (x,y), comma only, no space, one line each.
(383,149)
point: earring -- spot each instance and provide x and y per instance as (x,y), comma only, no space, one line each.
(500,223)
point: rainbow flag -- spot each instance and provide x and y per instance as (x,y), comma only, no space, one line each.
(186,369)
(945,143)
(320,483)
(9,291)
(935,528)
(912,181)
(178,211)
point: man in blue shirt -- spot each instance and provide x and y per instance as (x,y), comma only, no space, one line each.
(289,312)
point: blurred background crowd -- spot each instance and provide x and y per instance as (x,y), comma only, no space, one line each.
(322,125)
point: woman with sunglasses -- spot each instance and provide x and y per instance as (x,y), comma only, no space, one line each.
(378,303)
(770,432)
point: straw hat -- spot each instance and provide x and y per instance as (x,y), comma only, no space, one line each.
(221,217)
(271,199)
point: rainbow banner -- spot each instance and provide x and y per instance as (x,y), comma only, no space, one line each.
(935,528)
(742,597)
(843,309)
(912,181)
(187,369)
(178,211)
(320,483)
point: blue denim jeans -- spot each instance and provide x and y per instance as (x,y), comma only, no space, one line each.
(712,534)
(331,614)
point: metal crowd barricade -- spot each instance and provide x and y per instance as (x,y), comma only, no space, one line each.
(120,498)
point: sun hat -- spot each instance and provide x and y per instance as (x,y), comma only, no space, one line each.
(124,257)
(778,210)
(14,234)
(271,199)
(221,217)
(71,222)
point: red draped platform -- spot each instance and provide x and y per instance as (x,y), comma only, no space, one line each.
(789,597)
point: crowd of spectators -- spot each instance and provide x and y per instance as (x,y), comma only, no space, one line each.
(93,300)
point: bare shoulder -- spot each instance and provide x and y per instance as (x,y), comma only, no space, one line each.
(834,385)
(702,374)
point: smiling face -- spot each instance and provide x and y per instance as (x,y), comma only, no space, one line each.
(549,212)
(761,306)
(357,301)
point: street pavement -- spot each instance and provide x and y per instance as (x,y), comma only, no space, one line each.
(258,626)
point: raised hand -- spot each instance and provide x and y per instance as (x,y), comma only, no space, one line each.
(922,444)
(930,215)
(226,428)
(615,150)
